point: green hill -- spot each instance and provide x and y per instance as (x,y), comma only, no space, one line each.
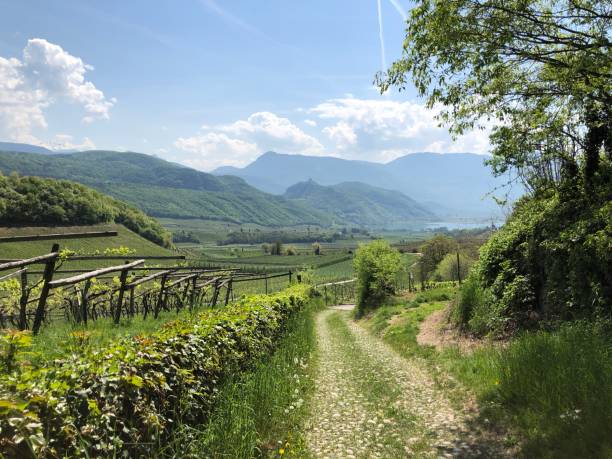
(358,203)
(164,189)
(36,201)
(125,238)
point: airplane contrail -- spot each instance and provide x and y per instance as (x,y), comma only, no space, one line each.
(383,61)
(399,9)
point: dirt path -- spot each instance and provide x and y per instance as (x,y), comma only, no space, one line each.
(372,403)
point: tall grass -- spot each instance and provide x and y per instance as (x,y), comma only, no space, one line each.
(260,413)
(552,388)
(558,388)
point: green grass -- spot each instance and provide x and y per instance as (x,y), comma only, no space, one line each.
(126,238)
(60,338)
(260,412)
(552,388)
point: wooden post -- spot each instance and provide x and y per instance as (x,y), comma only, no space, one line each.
(122,280)
(132,312)
(44,293)
(213,301)
(266,280)
(23,301)
(193,293)
(84,300)
(458,269)
(290,273)
(422,277)
(160,296)
(229,290)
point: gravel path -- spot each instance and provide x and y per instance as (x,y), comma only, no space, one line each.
(372,403)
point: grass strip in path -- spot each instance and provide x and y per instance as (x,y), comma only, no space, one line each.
(370,402)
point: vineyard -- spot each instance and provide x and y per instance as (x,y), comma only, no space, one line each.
(30,298)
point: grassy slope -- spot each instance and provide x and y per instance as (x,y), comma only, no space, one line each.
(126,238)
(553,388)
(164,189)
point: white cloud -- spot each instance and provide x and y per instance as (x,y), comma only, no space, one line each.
(66,142)
(213,149)
(372,129)
(239,142)
(272,132)
(381,129)
(342,134)
(45,75)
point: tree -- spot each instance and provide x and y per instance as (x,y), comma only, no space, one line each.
(291,251)
(434,251)
(316,248)
(376,265)
(276,248)
(540,70)
(447,268)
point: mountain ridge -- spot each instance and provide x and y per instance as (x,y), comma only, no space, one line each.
(459,182)
(163,189)
(358,203)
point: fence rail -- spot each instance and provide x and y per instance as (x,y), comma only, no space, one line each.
(90,294)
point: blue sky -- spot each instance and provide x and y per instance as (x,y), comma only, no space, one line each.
(208,83)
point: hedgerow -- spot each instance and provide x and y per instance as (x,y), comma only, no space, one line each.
(126,399)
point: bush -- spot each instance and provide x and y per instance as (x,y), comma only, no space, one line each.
(128,398)
(550,262)
(377,265)
(291,251)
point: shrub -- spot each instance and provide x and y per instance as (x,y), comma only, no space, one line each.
(316,248)
(127,398)
(376,265)
(291,251)
(550,261)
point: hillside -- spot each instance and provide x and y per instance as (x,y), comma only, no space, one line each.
(164,189)
(36,201)
(125,238)
(452,184)
(359,203)
(24,148)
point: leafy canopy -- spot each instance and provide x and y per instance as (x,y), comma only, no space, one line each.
(540,70)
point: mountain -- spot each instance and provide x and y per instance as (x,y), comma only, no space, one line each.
(37,201)
(25,148)
(360,204)
(164,189)
(454,184)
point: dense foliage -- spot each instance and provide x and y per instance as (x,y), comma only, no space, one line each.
(550,261)
(541,67)
(127,399)
(376,265)
(36,201)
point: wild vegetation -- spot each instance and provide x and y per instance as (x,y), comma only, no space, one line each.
(35,201)
(495,59)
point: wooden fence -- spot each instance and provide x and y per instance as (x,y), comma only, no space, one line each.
(122,290)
